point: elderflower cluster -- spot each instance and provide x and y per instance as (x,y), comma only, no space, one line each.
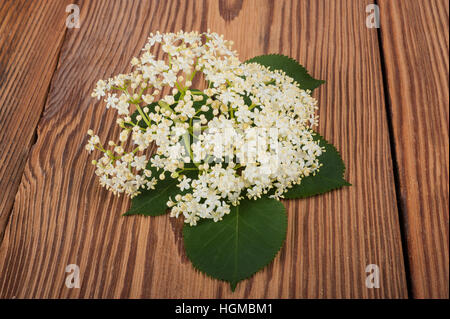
(246,134)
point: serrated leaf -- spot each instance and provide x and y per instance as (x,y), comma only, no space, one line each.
(242,243)
(291,67)
(329,177)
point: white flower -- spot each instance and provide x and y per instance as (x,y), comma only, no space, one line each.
(111,101)
(123,108)
(140,162)
(99,90)
(184,184)
(191,218)
(248,133)
(169,78)
(89,147)
(123,136)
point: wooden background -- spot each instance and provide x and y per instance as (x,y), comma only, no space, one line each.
(384,105)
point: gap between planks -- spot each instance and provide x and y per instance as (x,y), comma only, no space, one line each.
(5,215)
(395,172)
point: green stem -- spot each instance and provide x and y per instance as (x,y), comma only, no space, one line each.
(165,106)
(100,148)
(187,169)
(144,117)
(180,89)
(251,106)
(195,71)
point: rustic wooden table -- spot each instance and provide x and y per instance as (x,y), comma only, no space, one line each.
(385,105)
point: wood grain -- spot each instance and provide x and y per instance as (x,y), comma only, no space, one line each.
(415,45)
(61,215)
(31,35)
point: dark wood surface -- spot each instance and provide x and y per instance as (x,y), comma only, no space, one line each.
(415,46)
(31,34)
(372,108)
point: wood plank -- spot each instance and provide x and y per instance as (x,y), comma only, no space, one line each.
(62,216)
(31,34)
(415,45)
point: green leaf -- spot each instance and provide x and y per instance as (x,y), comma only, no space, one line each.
(242,243)
(154,202)
(291,67)
(329,177)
